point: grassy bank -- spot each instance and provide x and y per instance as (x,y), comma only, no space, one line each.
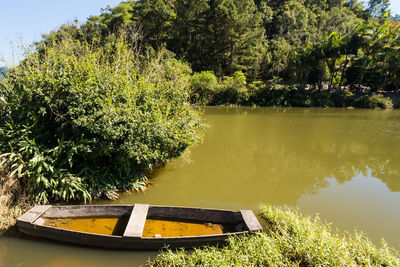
(290,239)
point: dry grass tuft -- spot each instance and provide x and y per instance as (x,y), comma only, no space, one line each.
(13,199)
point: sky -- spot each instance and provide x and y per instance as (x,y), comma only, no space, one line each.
(395,6)
(24,21)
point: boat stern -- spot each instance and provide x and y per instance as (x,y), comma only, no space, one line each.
(29,217)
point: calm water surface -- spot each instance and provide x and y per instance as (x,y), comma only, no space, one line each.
(342,164)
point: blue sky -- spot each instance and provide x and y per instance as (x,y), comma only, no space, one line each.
(27,20)
(24,21)
(395,6)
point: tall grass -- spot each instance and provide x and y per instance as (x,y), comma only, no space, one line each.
(290,239)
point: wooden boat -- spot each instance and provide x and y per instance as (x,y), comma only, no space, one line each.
(139,226)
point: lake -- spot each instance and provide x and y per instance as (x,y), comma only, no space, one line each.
(342,164)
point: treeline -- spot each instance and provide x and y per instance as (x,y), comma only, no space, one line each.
(329,44)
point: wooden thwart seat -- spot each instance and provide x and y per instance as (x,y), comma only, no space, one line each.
(251,220)
(33,214)
(136,222)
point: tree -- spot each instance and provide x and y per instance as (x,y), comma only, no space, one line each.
(378,8)
(190,32)
(235,35)
(156,18)
(264,39)
(372,40)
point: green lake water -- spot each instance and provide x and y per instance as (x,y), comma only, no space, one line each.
(343,164)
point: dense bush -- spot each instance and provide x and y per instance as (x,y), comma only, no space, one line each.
(78,121)
(373,101)
(206,88)
(342,98)
(204,85)
(290,239)
(231,90)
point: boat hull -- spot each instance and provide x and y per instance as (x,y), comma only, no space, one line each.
(32,223)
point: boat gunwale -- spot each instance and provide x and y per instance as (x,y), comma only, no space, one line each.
(128,206)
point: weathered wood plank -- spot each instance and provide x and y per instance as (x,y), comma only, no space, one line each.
(88,211)
(28,217)
(251,220)
(136,221)
(33,213)
(40,209)
(40,221)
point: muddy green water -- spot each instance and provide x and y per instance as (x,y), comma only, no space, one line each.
(342,164)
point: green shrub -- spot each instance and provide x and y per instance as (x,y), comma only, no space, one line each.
(342,98)
(79,121)
(279,95)
(300,98)
(290,239)
(269,94)
(322,99)
(203,86)
(373,101)
(232,90)
(258,93)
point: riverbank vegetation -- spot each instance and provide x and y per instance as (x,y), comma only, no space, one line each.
(235,90)
(289,239)
(80,121)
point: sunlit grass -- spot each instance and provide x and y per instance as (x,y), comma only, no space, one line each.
(290,239)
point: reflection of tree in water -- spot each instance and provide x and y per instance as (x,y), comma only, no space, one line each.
(348,160)
(3,253)
(274,156)
(294,151)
